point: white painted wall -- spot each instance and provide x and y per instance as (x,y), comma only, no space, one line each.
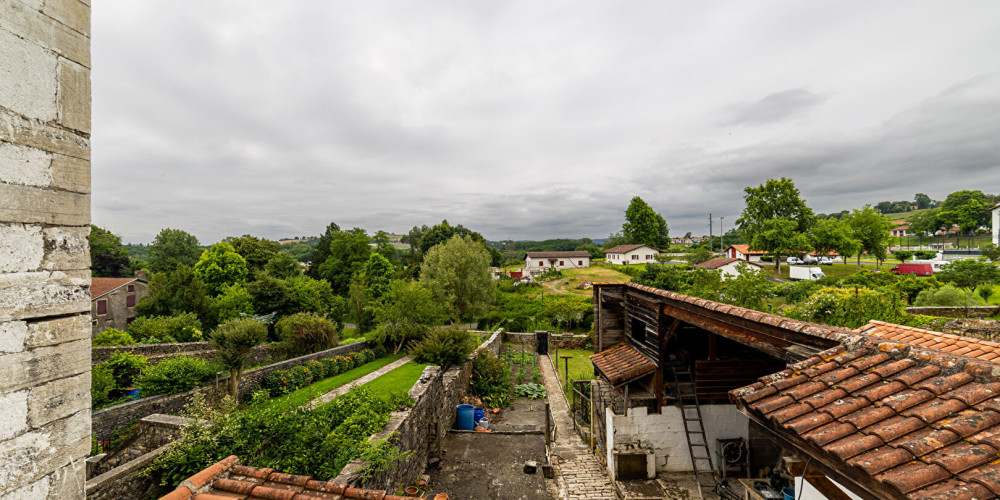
(641,255)
(996,226)
(811,493)
(567,263)
(731,270)
(664,432)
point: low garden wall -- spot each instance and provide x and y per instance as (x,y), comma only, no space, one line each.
(104,422)
(957,312)
(158,352)
(421,427)
(116,475)
(975,328)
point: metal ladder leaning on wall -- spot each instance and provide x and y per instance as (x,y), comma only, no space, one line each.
(694,429)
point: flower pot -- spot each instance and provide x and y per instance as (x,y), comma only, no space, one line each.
(441,496)
(411,491)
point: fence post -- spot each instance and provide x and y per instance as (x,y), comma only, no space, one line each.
(548,423)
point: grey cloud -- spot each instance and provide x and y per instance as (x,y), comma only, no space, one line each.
(772,108)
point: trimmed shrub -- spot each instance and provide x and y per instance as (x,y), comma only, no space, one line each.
(948,295)
(306,333)
(282,382)
(490,380)
(176,375)
(125,368)
(181,328)
(445,347)
(851,308)
(112,337)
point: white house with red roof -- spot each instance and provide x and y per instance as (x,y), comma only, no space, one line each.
(730,267)
(631,254)
(744,252)
(996,224)
(543,261)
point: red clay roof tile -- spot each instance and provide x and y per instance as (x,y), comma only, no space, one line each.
(913,475)
(622,363)
(987,475)
(953,490)
(853,445)
(880,459)
(962,456)
(829,433)
(102,286)
(922,443)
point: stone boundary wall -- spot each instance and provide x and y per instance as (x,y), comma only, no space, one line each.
(123,482)
(423,425)
(106,421)
(957,312)
(154,431)
(159,352)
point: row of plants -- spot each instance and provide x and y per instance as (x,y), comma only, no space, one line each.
(154,330)
(281,382)
(114,379)
(312,442)
(118,436)
(491,379)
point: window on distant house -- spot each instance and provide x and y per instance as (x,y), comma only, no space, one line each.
(579,262)
(561,263)
(102,307)
(649,257)
(130,301)
(541,263)
(635,257)
(131,288)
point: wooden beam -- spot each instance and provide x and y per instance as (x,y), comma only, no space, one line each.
(823,484)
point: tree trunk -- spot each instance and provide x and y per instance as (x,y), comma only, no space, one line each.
(234,382)
(859,260)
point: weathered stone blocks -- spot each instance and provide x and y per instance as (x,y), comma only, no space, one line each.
(25,166)
(24,21)
(23,248)
(74,95)
(43,293)
(38,453)
(27,85)
(58,399)
(27,369)
(44,206)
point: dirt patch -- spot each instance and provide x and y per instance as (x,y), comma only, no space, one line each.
(480,465)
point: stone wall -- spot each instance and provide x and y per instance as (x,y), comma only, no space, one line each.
(106,421)
(957,312)
(982,329)
(44,260)
(158,352)
(420,428)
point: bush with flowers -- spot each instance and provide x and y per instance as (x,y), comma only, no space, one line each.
(282,382)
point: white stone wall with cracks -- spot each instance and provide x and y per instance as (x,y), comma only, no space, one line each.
(44,260)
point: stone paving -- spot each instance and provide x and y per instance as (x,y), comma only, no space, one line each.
(578,473)
(344,389)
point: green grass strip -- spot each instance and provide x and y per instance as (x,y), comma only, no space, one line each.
(400,380)
(580,367)
(301,396)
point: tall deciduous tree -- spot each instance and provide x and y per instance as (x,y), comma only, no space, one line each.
(922,201)
(872,230)
(256,251)
(405,312)
(220,266)
(234,342)
(775,199)
(644,226)
(924,224)
(830,236)
(458,272)
(780,237)
(969,273)
(108,258)
(283,266)
(172,248)
(966,209)
(322,250)
(377,273)
(178,292)
(349,251)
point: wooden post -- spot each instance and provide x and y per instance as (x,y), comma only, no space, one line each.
(548,423)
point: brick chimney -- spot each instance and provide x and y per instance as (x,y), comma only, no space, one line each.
(141,274)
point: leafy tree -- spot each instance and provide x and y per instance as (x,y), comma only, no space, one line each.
(924,224)
(970,273)
(922,201)
(566,309)
(445,347)
(173,248)
(234,301)
(234,340)
(775,199)
(272,296)
(592,249)
(443,232)
(256,251)
(664,277)
(644,226)
(966,209)
(830,236)
(383,246)
(349,251)
(749,288)
(779,237)
(872,230)
(358,302)
(155,329)
(704,283)
(177,292)
(220,266)
(322,250)
(108,258)
(405,312)
(458,273)
(902,255)
(698,256)
(283,265)
(613,240)
(309,295)
(377,274)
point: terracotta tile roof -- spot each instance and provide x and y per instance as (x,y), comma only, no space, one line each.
(621,364)
(227,479)
(549,255)
(966,346)
(914,421)
(102,286)
(628,248)
(723,261)
(745,250)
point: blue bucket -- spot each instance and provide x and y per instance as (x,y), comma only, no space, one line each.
(789,493)
(133,393)
(463,420)
(478,414)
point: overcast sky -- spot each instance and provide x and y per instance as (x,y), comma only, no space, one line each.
(529,120)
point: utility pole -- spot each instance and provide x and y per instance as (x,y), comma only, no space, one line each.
(711,244)
(722,234)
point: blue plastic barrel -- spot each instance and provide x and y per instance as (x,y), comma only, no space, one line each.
(133,393)
(789,493)
(478,414)
(463,421)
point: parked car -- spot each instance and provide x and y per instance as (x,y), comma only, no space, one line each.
(809,259)
(794,260)
(825,261)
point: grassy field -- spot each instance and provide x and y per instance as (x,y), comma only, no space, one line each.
(572,278)
(300,396)
(832,270)
(400,380)
(579,365)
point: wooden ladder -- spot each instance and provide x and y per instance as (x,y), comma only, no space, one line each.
(694,429)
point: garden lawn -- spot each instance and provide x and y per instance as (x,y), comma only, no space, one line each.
(301,396)
(580,367)
(400,380)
